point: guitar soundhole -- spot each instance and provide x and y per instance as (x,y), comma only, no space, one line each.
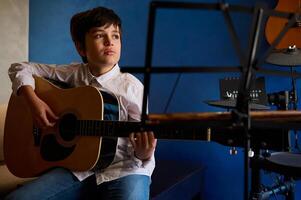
(51,150)
(67,127)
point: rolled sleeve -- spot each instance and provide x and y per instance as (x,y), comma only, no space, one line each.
(20,74)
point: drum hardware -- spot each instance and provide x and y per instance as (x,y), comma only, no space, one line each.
(233,151)
(266,153)
(230,104)
(280,99)
(285,57)
(208,134)
(290,57)
(228,89)
(280,188)
(269,161)
(286,164)
(251,153)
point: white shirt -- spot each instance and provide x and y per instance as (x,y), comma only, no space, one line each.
(127,89)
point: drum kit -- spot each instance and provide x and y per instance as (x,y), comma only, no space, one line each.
(290,57)
(284,162)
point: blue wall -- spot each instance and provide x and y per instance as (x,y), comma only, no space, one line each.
(182,38)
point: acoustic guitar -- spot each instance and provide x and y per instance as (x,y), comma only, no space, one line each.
(75,142)
(275,25)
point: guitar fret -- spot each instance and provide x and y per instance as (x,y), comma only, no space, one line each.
(88,127)
(84,128)
(103,131)
(81,128)
(99,128)
(93,127)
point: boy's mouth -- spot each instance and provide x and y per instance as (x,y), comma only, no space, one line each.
(109,52)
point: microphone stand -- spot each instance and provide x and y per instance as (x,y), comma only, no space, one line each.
(241,114)
(294,100)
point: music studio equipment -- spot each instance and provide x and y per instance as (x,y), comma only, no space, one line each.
(240,117)
(229,90)
(285,162)
(285,54)
(290,56)
(261,140)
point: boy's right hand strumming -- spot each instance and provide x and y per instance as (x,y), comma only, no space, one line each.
(42,114)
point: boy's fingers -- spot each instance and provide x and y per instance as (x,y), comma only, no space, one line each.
(144,139)
(132,139)
(51,114)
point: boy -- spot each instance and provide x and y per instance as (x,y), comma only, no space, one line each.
(97,37)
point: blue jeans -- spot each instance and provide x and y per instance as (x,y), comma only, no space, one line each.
(60,184)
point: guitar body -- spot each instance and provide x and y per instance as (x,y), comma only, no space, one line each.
(27,155)
(275,25)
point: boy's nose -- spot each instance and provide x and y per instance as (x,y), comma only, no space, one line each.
(108,42)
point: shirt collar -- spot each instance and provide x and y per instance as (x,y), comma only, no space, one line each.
(104,77)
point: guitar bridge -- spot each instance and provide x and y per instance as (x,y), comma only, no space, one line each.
(36,136)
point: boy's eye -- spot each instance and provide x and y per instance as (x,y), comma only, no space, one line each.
(99,36)
(116,36)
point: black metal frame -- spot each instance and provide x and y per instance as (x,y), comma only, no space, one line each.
(249,62)
(180,5)
(242,110)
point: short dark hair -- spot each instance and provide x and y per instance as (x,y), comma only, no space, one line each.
(82,22)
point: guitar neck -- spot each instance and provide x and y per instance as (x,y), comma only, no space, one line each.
(123,129)
(106,128)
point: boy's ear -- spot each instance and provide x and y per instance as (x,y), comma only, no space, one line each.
(80,49)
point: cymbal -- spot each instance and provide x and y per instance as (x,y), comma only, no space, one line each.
(285,57)
(232,104)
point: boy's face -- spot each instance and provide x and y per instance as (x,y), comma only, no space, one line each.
(103,46)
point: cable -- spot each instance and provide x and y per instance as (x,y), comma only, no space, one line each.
(274,195)
(172,92)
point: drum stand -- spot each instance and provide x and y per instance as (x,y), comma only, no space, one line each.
(279,163)
(294,100)
(265,160)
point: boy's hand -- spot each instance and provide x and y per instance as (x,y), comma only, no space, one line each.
(42,114)
(144,144)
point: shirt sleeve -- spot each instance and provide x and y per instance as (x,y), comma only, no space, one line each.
(22,73)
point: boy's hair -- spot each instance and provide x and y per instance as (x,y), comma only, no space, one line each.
(82,22)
